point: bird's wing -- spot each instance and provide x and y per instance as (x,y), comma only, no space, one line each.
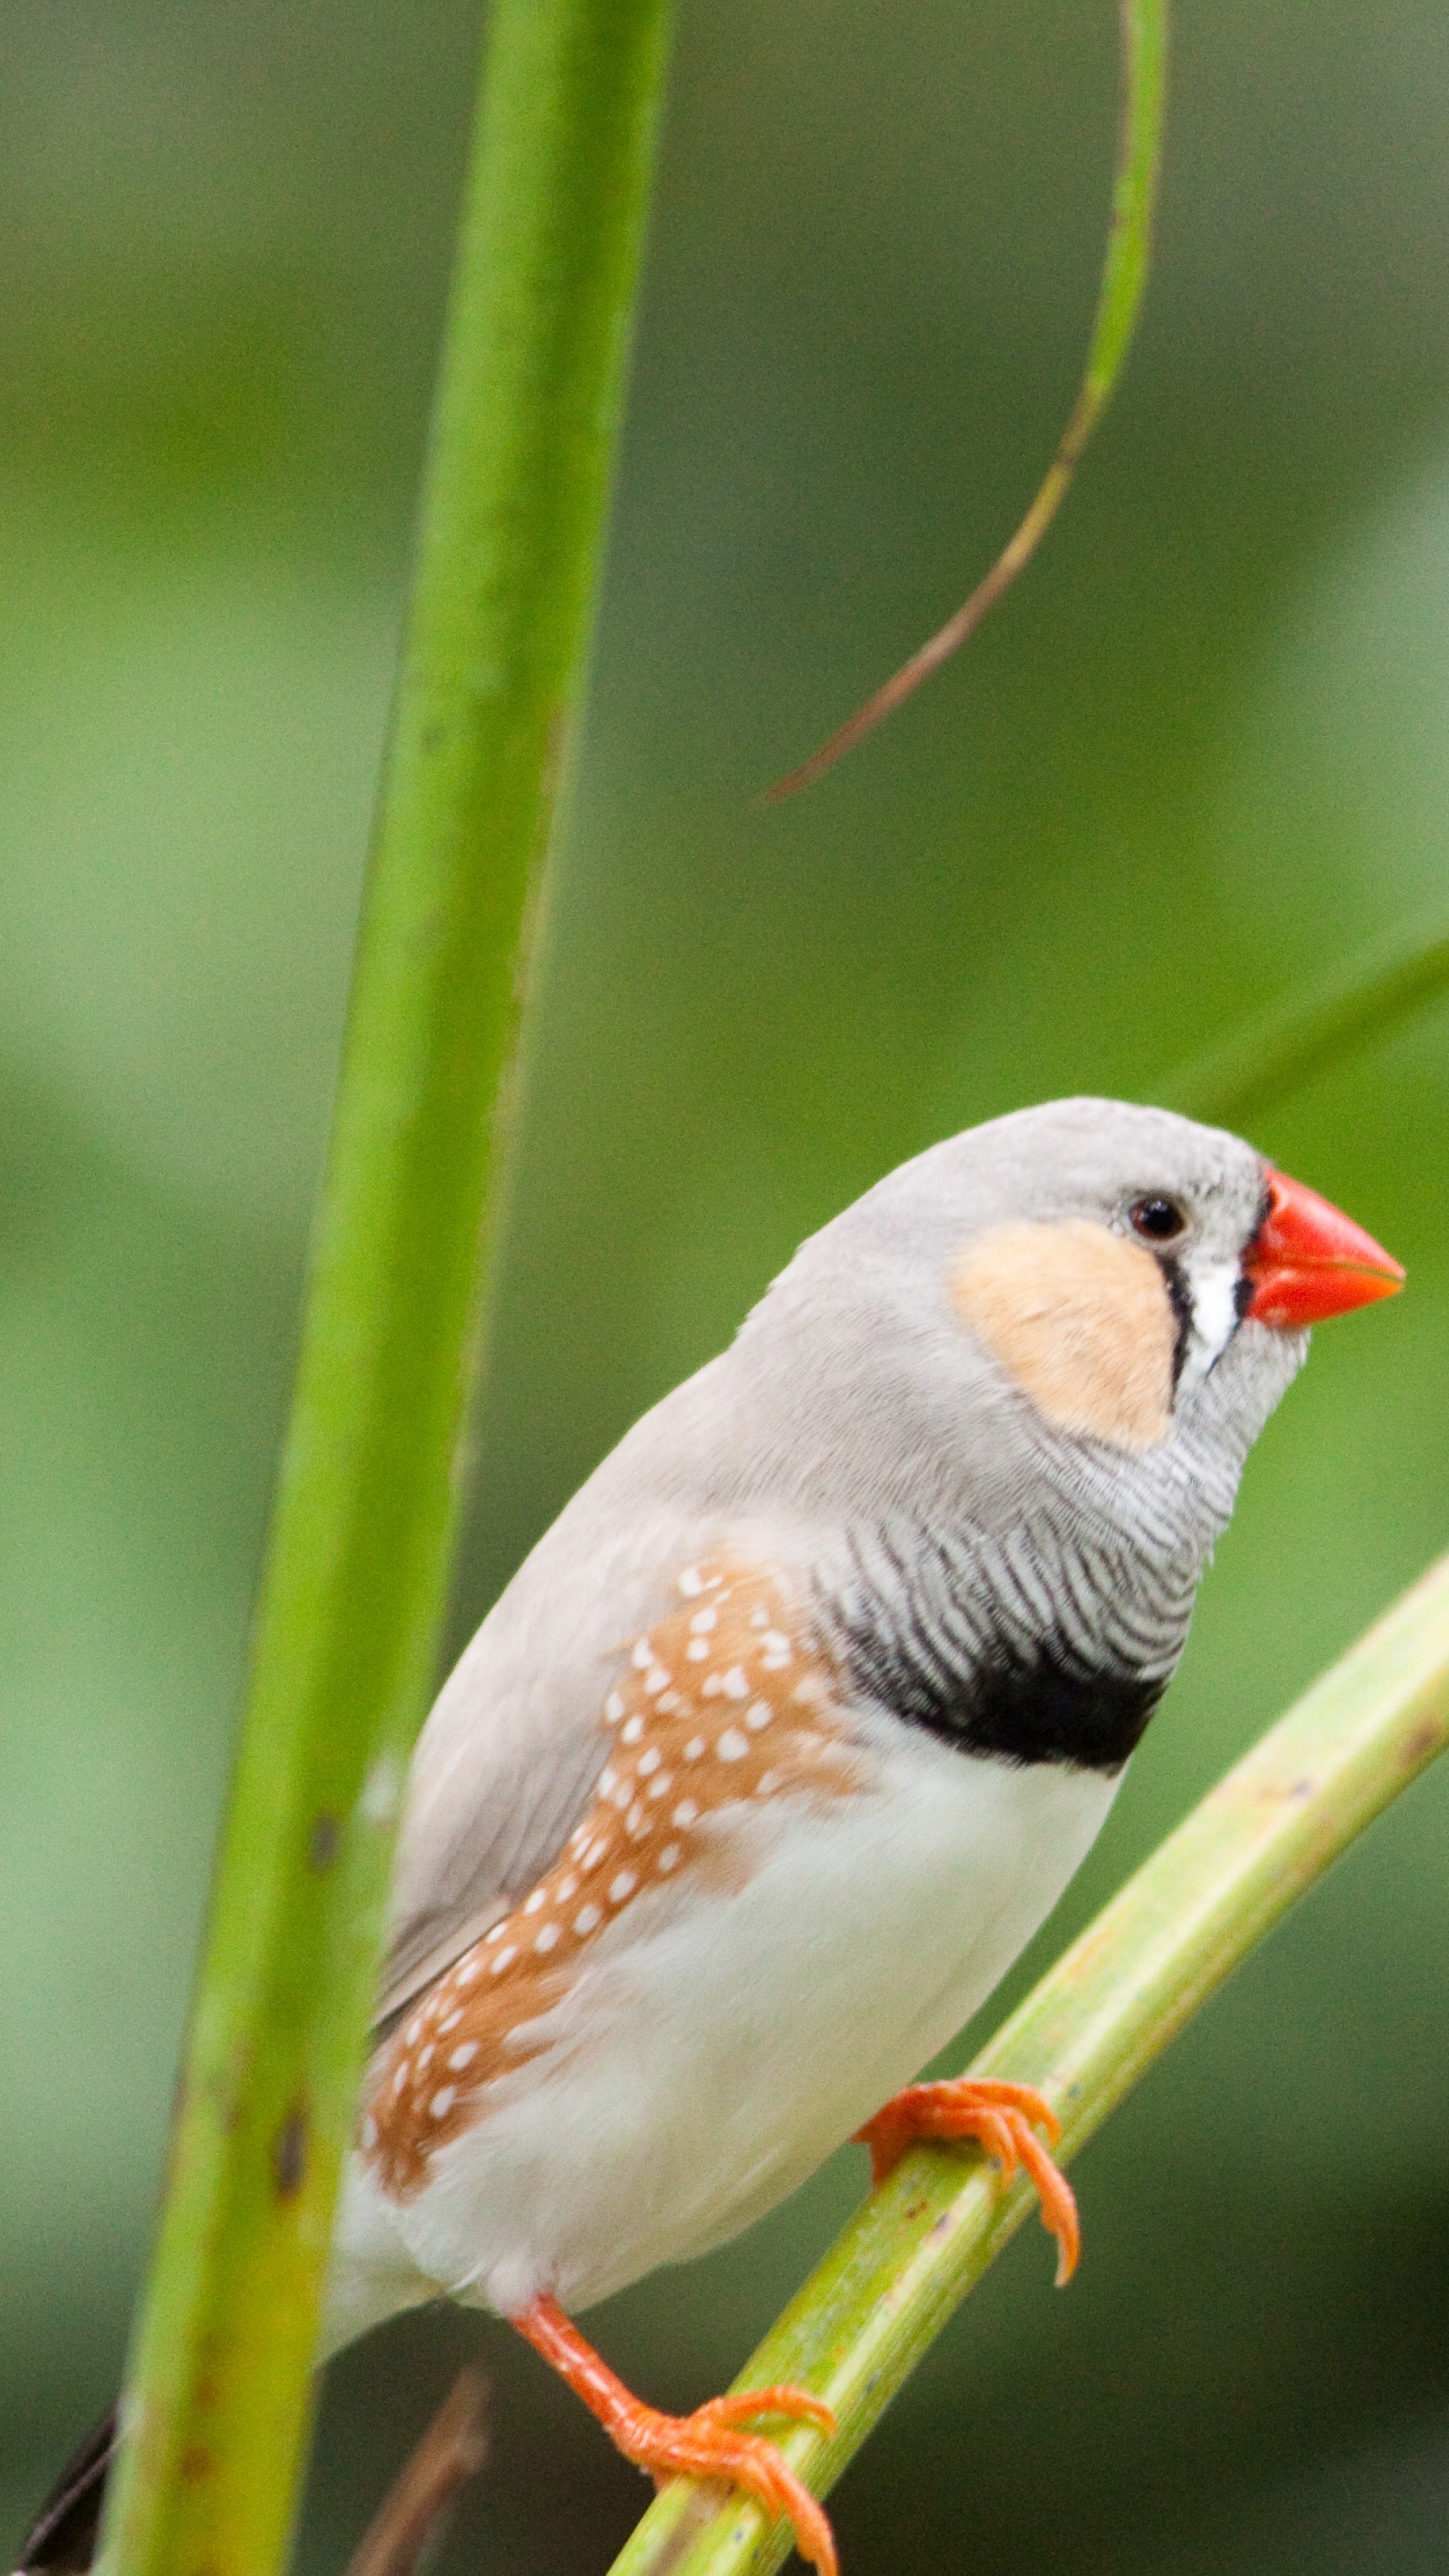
(508,1761)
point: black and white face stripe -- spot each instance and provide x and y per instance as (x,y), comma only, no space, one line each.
(1203,1289)
(1210,1294)
(1180,1299)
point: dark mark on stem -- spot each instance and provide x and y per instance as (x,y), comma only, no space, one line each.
(289,2154)
(325,1843)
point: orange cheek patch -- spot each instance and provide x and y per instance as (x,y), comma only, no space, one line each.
(1080,1319)
(726,1702)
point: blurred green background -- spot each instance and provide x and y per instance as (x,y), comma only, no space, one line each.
(1200,754)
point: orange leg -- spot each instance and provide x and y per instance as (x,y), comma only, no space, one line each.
(1001,2117)
(702,2445)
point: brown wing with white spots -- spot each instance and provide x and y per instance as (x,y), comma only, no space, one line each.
(725,1702)
(507,1762)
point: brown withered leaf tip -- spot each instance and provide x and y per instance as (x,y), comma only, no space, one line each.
(452,2450)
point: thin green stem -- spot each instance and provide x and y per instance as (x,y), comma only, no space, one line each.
(348,1624)
(1083,2038)
(1124,275)
(1303,1037)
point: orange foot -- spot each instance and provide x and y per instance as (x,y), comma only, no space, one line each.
(702,2445)
(1000,2116)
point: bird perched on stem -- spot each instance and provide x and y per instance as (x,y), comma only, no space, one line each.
(795,1725)
(792,1729)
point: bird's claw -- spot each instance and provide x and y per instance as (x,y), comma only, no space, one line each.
(1003,2119)
(748,2403)
(707,2445)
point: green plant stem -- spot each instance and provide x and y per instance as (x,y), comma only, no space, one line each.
(1119,297)
(1083,2037)
(1306,1035)
(348,1624)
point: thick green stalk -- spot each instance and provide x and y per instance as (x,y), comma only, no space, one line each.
(348,1624)
(1090,2029)
(1253,1070)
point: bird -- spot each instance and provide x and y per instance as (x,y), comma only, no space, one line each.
(793,1728)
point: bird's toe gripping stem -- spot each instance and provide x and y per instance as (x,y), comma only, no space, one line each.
(1004,2119)
(706,2444)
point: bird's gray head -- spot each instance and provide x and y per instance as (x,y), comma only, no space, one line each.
(1081,1289)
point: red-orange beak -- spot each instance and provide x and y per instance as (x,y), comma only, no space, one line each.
(1308,1260)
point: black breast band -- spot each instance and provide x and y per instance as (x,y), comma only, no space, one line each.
(1043,1707)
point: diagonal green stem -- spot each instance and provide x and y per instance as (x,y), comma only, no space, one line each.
(1307,1034)
(347,1631)
(1090,2029)
(1124,275)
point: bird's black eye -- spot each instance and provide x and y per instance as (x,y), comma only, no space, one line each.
(1158,1220)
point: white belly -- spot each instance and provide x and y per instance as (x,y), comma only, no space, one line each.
(700,2070)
